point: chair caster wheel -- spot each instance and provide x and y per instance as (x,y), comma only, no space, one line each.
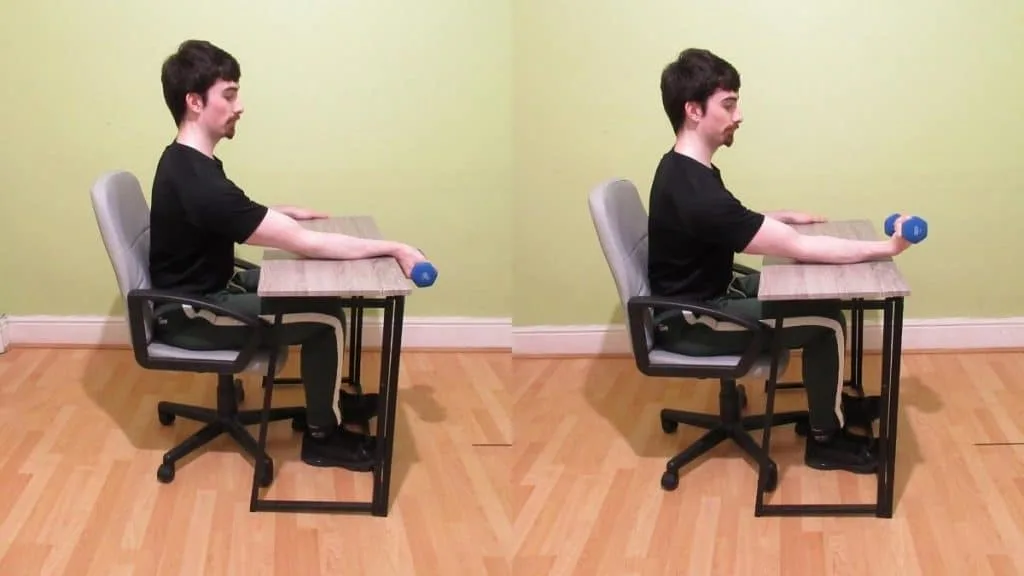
(166,418)
(299,423)
(669,426)
(267,478)
(165,473)
(771,480)
(239,391)
(670,480)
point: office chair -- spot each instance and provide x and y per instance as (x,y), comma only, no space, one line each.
(123,218)
(620,221)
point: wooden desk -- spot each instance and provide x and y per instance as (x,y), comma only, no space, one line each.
(358,284)
(285,275)
(784,279)
(877,285)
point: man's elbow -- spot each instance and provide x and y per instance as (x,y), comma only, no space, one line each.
(281,232)
(776,239)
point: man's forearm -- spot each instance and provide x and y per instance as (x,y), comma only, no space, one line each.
(330,246)
(832,250)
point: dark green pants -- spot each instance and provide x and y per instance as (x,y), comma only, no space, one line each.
(317,324)
(818,327)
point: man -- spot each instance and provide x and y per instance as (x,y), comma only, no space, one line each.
(198,215)
(696,226)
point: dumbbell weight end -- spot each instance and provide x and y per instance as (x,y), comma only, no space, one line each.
(424,274)
(915,228)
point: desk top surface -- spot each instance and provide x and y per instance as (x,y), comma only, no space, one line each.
(784,279)
(284,274)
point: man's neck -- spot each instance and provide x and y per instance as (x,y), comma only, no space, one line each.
(689,144)
(190,135)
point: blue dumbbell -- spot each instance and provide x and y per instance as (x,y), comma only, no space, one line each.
(424,274)
(915,229)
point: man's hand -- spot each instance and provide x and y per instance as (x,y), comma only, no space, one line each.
(407,257)
(300,213)
(793,217)
(898,242)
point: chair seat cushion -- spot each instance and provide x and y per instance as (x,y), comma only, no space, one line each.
(259,364)
(760,369)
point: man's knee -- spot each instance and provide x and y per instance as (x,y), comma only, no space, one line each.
(832,320)
(314,325)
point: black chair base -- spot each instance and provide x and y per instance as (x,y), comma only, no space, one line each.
(225,419)
(728,425)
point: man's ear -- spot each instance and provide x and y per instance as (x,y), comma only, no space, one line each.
(194,102)
(693,111)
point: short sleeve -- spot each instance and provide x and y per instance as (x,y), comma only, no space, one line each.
(220,206)
(724,220)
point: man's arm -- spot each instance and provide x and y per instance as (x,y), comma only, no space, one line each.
(300,213)
(775,238)
(795,217)
(282,232)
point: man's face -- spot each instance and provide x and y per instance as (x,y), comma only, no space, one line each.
(721,118)
(221,111)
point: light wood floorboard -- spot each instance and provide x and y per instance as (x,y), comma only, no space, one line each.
(551,466)
(589,454)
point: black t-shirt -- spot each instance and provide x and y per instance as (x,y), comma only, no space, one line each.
(695,227)
(197,216)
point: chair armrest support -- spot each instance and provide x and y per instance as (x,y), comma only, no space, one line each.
(742,270)
(640,309)
(140,299)
(244,264)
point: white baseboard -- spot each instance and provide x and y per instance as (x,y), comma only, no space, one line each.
(497,333)
(418,333)
(4,340)
(931,334)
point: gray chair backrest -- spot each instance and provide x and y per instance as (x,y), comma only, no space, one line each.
(122,215)
(620,220)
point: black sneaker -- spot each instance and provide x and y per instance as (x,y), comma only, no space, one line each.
(357,408)
(842,451)
(341,449)
(861,411)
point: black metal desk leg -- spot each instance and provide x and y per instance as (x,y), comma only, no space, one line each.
(885,446)
(268,391)
(391,351)
(857,347)
(763,476)
(890,404)
(355,351)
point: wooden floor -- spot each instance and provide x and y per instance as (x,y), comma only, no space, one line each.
(503,466)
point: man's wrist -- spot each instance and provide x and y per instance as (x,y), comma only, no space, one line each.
(393,249)
(893,247)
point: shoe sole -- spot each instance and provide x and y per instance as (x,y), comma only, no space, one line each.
(861,469)
(353,466)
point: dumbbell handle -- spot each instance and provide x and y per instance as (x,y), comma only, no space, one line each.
(914,229)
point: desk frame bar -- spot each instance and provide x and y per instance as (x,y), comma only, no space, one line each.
(892,353)
(391,348)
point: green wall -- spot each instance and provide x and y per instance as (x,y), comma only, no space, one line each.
(350,107)
(853,109)
(493,120)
